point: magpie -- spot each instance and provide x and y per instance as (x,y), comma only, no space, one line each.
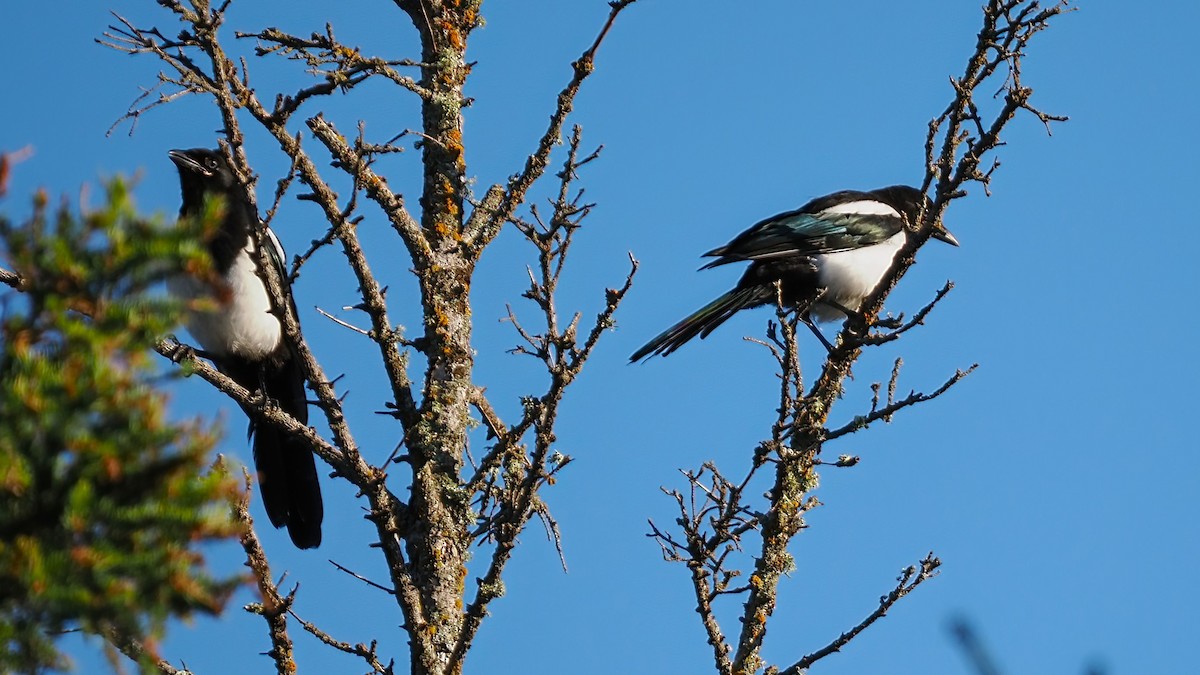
(828,256)
(237,330)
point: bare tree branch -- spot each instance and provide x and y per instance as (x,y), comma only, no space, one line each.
(274,606)
(11,279)
(137,652)
(366,652)
(485,223)
(908,580)
(885,413)
(507,479)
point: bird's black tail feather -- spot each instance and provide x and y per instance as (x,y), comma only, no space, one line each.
(704,320)
(287,470)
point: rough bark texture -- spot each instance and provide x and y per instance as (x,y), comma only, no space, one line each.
(439,543)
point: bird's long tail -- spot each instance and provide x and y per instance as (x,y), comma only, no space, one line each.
(704,320)
(287,470)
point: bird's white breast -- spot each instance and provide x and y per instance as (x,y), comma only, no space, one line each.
(238,321)
(850,276)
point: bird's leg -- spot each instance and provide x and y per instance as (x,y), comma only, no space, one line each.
(802,313)
(185,352)
(815,331)
(857,323)
(264,400)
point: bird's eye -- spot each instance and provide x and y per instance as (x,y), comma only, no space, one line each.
(212,163)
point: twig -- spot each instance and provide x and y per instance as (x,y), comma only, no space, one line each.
(11,279)
(367,653)
(343,324)
(917,320)
(908,581)
(510,475)
(356,575)
(274,606)
(863,421)
(485,224)
(137,652)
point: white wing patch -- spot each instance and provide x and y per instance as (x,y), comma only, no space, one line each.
(864,206)
(278,254)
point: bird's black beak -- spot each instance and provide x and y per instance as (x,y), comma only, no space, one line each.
(942,234)
(185,162)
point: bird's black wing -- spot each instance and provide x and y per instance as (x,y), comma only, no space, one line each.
(287,469)
(276,255)
(803,233)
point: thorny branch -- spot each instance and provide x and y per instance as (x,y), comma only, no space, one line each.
(340,66)
(717,514)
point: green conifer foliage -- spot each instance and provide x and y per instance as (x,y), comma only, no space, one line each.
(104,500)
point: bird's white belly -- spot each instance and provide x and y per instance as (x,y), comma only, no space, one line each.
(850,276)
(238,321)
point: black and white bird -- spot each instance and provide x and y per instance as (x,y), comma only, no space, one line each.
(828,256)
(237,330)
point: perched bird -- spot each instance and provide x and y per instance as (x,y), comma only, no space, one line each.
(828,256)
(245,341)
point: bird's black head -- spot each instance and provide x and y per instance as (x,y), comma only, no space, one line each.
(909,201)
(201,172)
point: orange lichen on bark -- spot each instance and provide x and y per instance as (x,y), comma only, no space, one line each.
(454,144)
(453,36)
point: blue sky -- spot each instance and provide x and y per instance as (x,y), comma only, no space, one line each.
(1056,483)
